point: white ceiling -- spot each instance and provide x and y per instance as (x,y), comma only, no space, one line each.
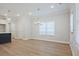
(25,8)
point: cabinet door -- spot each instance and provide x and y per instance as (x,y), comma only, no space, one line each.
(4,38)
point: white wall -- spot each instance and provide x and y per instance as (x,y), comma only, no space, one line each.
(75,37)
(62,28)
(22,27)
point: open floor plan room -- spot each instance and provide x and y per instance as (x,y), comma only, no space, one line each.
(39,29)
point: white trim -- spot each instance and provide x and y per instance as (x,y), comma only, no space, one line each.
(72,50)
(21,38)
(44,40)
(51,40)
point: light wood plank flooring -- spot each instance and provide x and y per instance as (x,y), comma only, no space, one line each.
(34,48)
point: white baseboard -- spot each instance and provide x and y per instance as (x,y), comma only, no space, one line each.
(51,40)
(72,50)
(27,38)
(21,38)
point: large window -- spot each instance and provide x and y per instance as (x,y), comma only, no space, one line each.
(47,28)
(71,23)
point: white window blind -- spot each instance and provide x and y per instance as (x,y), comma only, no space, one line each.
(47,28)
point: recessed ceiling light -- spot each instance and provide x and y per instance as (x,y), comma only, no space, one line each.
(52,6)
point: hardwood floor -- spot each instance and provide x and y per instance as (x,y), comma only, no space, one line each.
(34,48)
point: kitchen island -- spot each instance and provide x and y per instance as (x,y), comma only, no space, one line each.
(5,37)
